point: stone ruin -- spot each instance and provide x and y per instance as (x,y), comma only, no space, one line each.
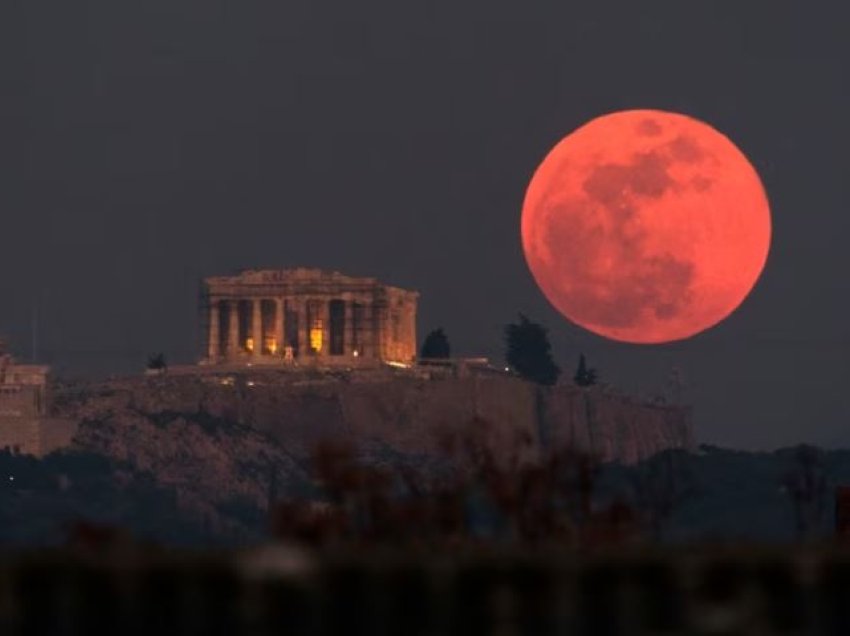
(307,317)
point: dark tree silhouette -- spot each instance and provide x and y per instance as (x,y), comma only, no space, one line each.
(436,345)
(662,483)
(806,485)
(477,496)
(529,353)
(584,376)
(157,362)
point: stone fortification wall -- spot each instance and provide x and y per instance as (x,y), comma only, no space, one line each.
(402,411)
(37,436)
(20,401)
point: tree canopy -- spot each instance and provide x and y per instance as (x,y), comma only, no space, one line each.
(436,345)
(529,353)
(156,362)
(584,376)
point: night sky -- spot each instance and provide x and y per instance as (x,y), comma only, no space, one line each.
(144,145)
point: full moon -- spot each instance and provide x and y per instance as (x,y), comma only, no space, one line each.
(646,226)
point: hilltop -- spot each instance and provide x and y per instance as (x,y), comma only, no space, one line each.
(229,444)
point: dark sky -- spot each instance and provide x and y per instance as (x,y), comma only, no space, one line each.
(144,145)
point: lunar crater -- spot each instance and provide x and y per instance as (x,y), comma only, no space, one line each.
(685,148)
(649,128)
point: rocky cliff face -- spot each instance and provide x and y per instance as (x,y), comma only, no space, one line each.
(247,424)
(614,427)
(413,414)
(222,472)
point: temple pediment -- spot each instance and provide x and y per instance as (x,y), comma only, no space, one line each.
(296,275)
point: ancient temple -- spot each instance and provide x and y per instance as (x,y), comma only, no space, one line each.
(307,317)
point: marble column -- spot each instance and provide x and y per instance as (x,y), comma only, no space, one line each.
(325,314)
(369,342)
(303,328)
(233,343)
(348,330)
(212,345)
(410,332)
(377,324)
(257,327)
(278,325)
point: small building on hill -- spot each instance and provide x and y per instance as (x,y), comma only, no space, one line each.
(307,317)
(23,387)
(26,426)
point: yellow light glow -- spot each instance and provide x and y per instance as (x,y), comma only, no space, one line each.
(316,338)
(249,344)
(271,345)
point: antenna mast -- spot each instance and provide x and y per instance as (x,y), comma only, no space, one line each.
(35,333)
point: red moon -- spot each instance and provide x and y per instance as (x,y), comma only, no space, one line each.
(646,226)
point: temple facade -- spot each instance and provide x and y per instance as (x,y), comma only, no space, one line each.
(307,317)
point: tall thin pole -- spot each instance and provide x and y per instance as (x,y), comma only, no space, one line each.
(35,332)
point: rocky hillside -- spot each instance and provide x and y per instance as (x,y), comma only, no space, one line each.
(407,411)
(233,419)
(227,445)
(222,472)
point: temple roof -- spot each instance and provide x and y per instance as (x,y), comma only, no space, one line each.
(294,276)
